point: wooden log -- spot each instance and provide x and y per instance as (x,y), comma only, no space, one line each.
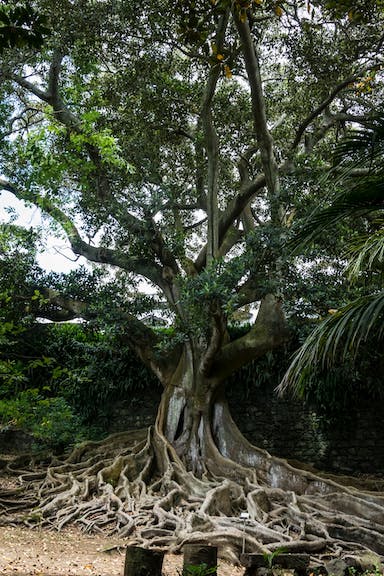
(198,554)
(143,562)
(297,562)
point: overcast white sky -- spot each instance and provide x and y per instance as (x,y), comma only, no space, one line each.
(57,256)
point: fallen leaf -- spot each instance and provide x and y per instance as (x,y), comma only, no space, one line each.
(278,11)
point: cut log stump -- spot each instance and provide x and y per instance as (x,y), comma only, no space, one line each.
(196,555)
(254,562)
(143,562)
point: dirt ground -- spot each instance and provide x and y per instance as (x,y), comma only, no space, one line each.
(73,553)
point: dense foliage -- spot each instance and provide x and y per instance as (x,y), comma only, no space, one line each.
(60,382)
(21,25)
(341,337)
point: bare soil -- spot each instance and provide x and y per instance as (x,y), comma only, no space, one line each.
(72,553)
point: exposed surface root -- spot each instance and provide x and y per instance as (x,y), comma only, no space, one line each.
(135,485)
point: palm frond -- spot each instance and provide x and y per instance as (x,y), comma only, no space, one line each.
(366,253)
(356,202)
(361,195)
(366,143)
(338,337)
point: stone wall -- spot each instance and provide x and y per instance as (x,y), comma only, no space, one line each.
(280,425)
(285,428)
(13,441)
(137,411)
(358,446)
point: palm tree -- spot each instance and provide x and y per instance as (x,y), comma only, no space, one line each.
(341,335)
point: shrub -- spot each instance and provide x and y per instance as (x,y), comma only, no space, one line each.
(51,421)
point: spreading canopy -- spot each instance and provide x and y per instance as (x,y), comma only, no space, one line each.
(177,145)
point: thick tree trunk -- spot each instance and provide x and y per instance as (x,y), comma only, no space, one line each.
(186,409)
(194,418)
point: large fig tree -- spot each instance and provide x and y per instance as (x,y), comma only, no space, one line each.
(174,143)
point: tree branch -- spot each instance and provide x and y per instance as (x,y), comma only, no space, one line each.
(62,113)
(101,255)
(147,231)
(61,308)
(66,117)
(24,83)
(325,103)
(139,337)
(232,213)
(211,143)
(269,331)
(263,135)
(249,292)
(218,333)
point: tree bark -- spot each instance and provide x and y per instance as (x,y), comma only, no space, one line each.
(184,415)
